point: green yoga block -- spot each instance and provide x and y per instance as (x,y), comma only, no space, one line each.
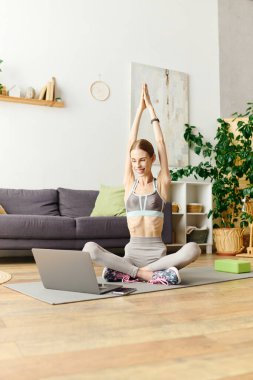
(232,266)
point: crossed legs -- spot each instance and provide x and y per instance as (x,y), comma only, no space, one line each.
(107,259)
(180,259)
(186,255)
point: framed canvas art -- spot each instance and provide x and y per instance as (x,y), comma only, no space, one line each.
(169,94)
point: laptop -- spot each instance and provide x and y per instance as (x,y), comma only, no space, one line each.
(69,270)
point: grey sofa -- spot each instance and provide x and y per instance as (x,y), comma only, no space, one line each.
(60,219)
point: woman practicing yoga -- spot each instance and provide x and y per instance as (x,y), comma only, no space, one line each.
(145,255)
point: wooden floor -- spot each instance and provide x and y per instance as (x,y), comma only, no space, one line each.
(203,332)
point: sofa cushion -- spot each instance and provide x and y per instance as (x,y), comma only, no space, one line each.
(99,227)
(37,227)
(25,244)
(76,203)
(110,202)
(29,202)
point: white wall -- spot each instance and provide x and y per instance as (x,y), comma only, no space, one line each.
(83,145)
(235,37)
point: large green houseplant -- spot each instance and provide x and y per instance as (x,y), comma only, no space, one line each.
(225,162)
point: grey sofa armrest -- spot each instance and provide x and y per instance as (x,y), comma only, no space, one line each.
(167,226)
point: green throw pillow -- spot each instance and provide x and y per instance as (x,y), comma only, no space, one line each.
(110,202)
(2,210)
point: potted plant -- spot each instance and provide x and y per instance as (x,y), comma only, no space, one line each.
(225,162)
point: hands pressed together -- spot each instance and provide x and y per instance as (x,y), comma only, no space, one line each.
(145,101)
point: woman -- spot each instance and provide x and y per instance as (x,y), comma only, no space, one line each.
(145,255)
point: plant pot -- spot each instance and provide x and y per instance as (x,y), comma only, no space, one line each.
(228,241)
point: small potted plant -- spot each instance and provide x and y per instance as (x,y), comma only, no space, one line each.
(225,163)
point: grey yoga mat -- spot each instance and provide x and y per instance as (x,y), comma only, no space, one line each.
(190,277)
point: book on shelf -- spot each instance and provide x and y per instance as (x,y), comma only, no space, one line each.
(53,88)
(42,94)
(48,91)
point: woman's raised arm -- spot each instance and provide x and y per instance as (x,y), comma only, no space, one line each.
(164,175)
(129,174)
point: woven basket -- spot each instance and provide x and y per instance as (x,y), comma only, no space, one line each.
(4,277)
(194,207)
(197,236)
(228,241)
(175,207)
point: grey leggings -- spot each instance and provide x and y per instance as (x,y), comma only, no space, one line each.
(143,252)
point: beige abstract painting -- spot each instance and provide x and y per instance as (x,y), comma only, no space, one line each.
(169,91)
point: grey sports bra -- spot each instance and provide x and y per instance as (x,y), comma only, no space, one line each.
(145,205)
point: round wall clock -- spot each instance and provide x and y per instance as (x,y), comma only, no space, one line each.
(100,90)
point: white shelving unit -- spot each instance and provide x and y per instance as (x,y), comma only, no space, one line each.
(191,192)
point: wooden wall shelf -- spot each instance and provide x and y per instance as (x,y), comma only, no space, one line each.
(35,102)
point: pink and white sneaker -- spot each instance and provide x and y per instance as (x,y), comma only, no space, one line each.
(128,278)
(112,275)
(166,277)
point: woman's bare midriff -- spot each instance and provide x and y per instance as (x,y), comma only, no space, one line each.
(145,226)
